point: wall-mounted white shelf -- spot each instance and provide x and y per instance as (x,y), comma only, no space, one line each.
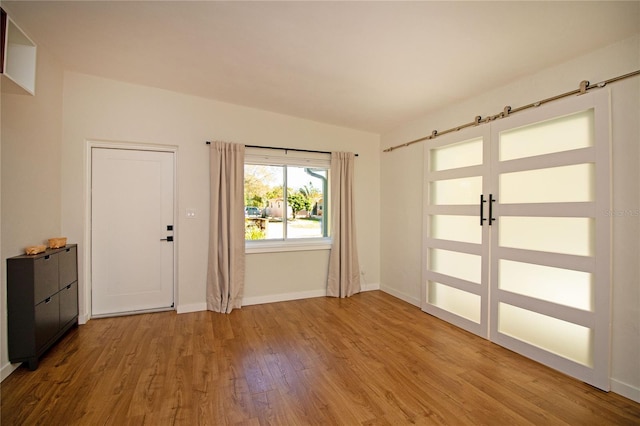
(19,59)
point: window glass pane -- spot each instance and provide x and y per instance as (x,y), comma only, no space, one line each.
(560,134)
(563,338)
(264,202)
(557,285)
(455,264)
(568,235)
(306,194)
(574,183)
(456,191)
(456,228)
(270,211)
(459,302)
(462,154)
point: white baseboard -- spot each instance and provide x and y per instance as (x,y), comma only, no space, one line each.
(7,369)
(626,390)
(283,297)
(402,296)
(272,298)
(370,286)
(193,307)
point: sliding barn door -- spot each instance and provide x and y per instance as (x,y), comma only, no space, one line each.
(456,244)
(517,238)
(550,242)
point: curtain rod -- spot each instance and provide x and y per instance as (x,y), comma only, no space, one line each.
(285,149)
(582,89)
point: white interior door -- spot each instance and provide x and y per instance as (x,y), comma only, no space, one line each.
(132,250)
(517,240)
(550,251)
(456,242)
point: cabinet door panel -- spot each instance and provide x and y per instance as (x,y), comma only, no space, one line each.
(68,271)
(68,303)
(47,320)
(45,277)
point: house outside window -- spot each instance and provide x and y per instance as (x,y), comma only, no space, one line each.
(289,189)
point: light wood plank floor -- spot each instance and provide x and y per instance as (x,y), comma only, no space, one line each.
(370,359)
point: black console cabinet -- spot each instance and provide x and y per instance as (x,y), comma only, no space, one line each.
(42,301)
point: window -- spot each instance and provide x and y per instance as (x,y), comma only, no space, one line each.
(285,194)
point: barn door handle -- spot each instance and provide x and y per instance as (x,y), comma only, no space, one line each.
(169,238)
(491,201)
(482,201)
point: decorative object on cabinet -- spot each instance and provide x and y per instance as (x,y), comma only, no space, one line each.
(31,250)
(42,302)
(57,242)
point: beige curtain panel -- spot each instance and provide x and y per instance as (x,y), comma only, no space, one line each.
(344,268)
(225,272)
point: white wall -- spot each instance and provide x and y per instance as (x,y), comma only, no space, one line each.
(401,177)
(31,137)
(97,109)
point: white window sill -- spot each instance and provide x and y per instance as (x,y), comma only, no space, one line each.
(267,246)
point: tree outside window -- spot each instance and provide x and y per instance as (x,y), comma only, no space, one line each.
(296,213)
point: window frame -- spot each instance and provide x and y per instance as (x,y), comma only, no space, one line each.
(284,158)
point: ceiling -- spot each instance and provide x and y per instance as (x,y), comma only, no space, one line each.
(365,65)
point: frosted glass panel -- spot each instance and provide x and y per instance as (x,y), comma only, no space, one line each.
(456,191)
(560,134)
(461,303)
(562,286)
(460,265)
(569,235)
(565,184)
(463,154)
(563,338)
(456,228)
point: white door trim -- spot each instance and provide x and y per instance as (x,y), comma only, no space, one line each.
(135,146)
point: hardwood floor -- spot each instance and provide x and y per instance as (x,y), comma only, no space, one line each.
(370,359)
